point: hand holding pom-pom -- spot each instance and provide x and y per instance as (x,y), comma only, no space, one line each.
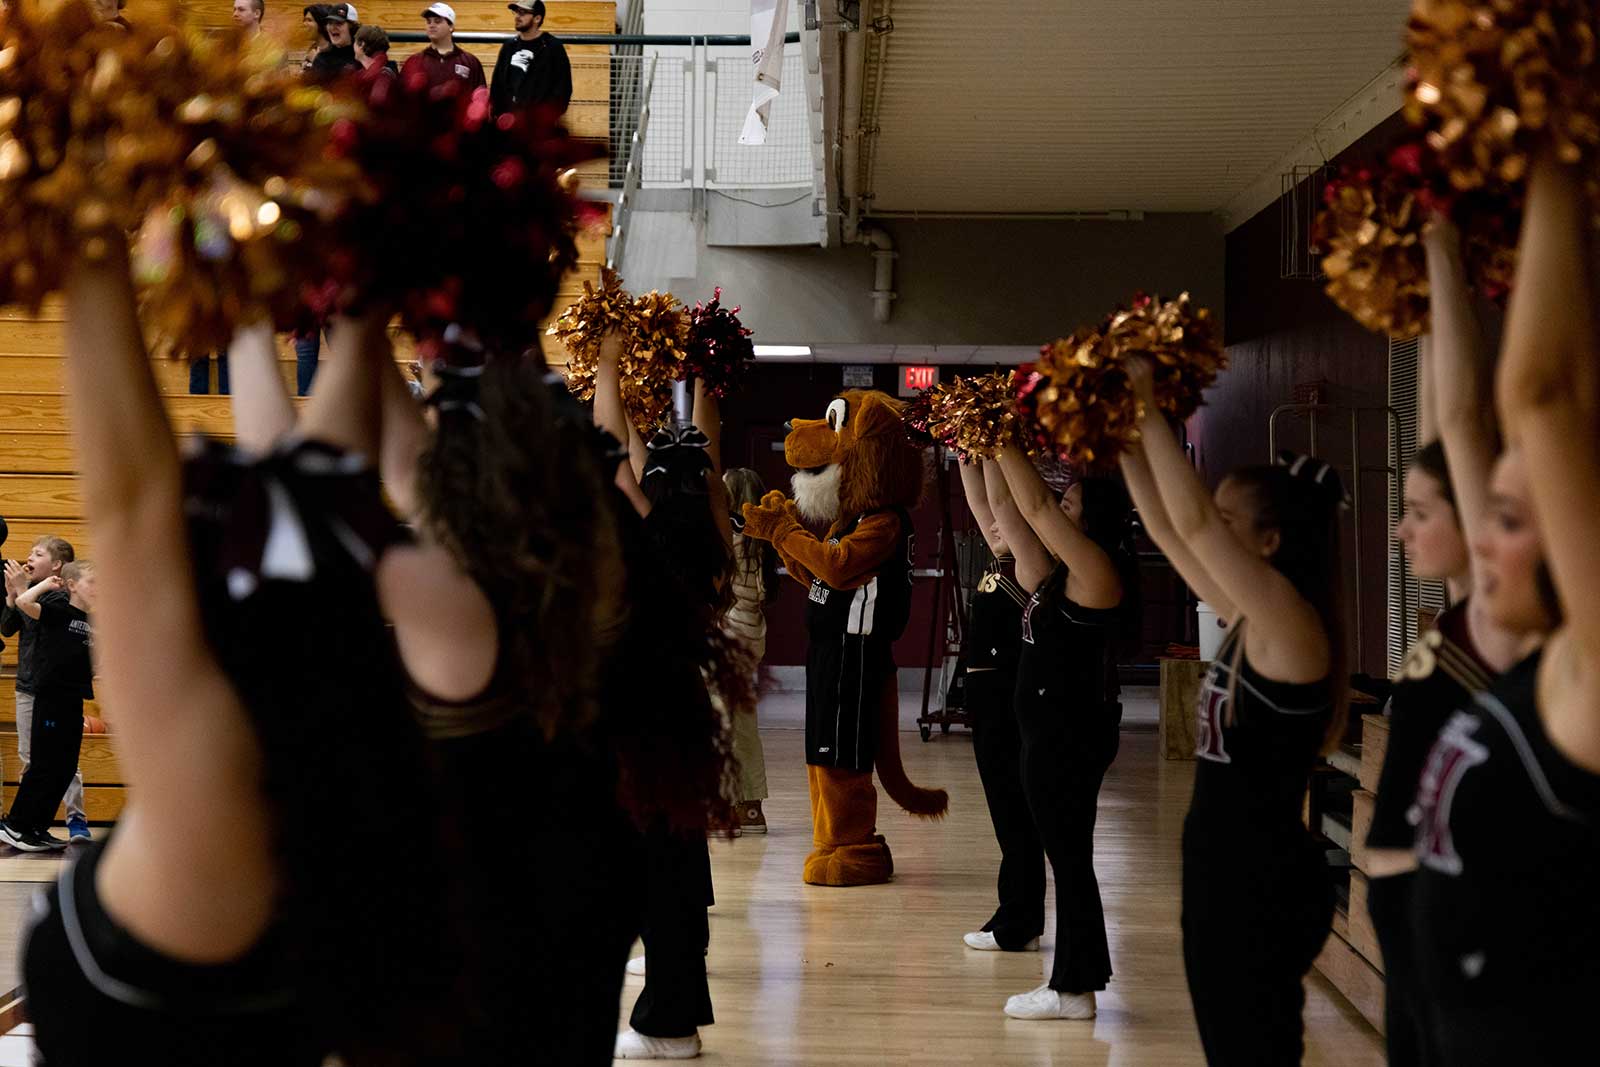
(652,334)
(974,415)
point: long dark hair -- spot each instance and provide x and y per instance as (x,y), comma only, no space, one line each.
(1430,460)
(1303,508)
(1108,522)
(746,487)
(517,495)
(677,481)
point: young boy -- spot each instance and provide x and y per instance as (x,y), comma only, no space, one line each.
(48,556)
(63,678)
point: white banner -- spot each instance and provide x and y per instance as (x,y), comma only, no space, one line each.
(769,24)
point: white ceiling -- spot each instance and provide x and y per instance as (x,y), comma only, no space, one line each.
(1095,105)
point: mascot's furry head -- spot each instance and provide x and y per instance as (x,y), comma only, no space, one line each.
(855,458)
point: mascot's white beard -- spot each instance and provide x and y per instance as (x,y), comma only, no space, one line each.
(816,494)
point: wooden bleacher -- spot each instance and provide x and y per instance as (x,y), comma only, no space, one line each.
(39,494)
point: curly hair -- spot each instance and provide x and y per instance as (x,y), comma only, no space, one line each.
(517,495)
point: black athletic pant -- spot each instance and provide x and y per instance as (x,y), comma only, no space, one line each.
(55,740)
(1405,1007)
(676,1000)
(1254,919)
(1066,750)
(997,744)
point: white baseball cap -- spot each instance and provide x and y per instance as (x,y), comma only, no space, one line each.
(342,13)
(444,11)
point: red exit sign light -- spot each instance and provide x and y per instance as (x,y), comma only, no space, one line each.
(914,379)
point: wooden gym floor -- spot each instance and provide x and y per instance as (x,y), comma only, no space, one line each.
(803,975)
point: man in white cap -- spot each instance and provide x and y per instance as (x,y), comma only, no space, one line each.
(442,64)
(533,68)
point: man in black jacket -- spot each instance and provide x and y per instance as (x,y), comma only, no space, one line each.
(533,68)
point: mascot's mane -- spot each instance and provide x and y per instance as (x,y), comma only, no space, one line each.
(880,467)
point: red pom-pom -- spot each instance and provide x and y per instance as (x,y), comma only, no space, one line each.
(719,350)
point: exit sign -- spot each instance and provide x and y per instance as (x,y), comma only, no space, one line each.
(915,379)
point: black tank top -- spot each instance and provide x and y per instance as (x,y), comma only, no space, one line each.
(1508,850)
(1441,672)
(1067,642)
(1252,766)
(994,635)
(878,610)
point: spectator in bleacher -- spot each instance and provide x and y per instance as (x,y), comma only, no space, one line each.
(442,63)
(63,677)
(372,52)
(311,17)
(247,15)
(533,67)
(339,58)
(48,557)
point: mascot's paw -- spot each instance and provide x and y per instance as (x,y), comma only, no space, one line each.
(762,520)
(867,864)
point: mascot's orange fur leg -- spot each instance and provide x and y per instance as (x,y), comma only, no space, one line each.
(847,850)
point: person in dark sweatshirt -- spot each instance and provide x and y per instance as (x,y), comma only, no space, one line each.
(533,68)
(64,678)
(47,559)
(339,58)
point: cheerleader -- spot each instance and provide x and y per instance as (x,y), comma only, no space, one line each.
(682,503)
(1463,650)
(250,701)
(1257,900)
(1069,553)
(994,640)
(1507,811)
(755,588)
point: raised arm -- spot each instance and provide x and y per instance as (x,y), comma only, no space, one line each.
(612,417)
(1153,517)
(28,599)
(707,419)
(403,436)
(1545,393)
(262,410)
(1092,580)
(977,495)
(1034,562)
(1459,376)
(1288,644)
(183,740)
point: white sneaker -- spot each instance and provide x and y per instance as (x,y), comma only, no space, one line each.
(636,966)
(984,941)
(1046,1003)
(632,1045)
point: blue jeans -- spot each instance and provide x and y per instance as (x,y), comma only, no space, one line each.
(307,351)
(200,374)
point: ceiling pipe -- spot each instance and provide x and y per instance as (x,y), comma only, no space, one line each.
(850,132)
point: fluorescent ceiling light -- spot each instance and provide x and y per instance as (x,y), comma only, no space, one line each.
(783,351)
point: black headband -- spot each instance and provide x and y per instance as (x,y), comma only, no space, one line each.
(457,390)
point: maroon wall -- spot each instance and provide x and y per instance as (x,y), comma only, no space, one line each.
(1285,339)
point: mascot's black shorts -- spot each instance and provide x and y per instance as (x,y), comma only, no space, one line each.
(845,680)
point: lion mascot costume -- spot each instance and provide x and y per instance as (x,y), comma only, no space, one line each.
(855,470)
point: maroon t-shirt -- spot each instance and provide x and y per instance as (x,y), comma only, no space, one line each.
(442,68)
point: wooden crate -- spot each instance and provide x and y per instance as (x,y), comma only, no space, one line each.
(1180,692)
(1374,747)
(1361,934)
(1351,974)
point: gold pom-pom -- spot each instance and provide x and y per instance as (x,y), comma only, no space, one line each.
(975,415)
(1489,79)
(654,330)
(1086,405)
(210,137)
(1371,231)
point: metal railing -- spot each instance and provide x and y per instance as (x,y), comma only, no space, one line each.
(633,166)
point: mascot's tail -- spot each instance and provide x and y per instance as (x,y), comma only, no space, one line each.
(923,803)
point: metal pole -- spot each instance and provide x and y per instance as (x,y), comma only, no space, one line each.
(660,39)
